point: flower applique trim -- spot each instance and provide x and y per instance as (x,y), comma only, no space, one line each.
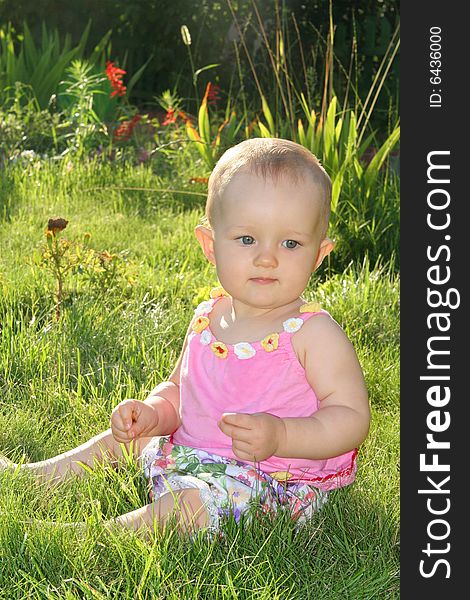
(217,292)
(203,307)
(244,350)
(310,307)
(292,325)
(205,337)
(270,342)
(219,349)
(200,323)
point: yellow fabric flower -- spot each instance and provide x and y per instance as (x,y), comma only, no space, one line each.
(219,349)
(310,307)
(270,342)
(281,475)
(200,323)
(217,292)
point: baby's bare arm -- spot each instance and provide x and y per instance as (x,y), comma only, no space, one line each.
(333,371)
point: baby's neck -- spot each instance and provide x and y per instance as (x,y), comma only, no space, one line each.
(232,321)
(243,312)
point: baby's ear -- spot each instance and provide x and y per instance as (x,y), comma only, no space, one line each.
(205,237)
(326,247)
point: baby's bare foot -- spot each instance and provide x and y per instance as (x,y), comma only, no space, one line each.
(6,464)
(42,476)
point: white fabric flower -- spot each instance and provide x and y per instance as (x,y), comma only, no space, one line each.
(244,350)
(292,325)
(235,471)
(203,307)
(205,337)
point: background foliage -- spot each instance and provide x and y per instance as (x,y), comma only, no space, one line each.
(150,29)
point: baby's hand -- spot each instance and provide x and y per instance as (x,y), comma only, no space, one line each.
(255,437)
(132,419)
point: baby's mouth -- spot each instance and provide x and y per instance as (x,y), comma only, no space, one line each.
(263,280)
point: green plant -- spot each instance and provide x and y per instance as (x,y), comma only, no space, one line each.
(101,271)
(24,127)
(340,147)
(92,106)
(40,67)
(59,257)
(76,97)
(208,140)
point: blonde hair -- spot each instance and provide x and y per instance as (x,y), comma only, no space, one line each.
(273,157)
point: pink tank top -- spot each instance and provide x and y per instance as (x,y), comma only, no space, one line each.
(264,376)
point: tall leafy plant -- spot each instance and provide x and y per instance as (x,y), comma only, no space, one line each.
(41,66)
(209,139)
(340,145)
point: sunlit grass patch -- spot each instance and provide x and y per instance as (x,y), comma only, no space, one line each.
(60,379)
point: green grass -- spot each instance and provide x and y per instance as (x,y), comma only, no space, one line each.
(59,382)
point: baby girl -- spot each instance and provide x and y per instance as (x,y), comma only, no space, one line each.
(266,405)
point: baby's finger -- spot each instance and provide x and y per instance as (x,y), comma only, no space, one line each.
(119,434)
(126,413)
(243,446)
(234,432)
(121,438)
(116,421)
(242,455)
(135,430)
(241,420)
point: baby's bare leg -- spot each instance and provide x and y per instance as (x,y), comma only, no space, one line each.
(100,448)
(186,505)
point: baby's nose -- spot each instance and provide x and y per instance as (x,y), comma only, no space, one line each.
(266,258)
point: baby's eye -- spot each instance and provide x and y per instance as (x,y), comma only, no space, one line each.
(291,244)
(246,240)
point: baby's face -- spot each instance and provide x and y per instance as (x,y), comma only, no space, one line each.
(267,239)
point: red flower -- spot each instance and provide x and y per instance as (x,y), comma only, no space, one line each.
(170,116)
(114,74)
(125,129)
(212,93)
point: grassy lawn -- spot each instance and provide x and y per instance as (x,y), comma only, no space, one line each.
(119,334)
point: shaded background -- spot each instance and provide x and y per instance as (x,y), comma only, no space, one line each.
(149,30)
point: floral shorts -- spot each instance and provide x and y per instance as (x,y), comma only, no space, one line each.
(226,486)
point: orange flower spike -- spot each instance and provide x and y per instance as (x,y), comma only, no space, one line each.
(213,94)
(114,75)
(184,116)
(170,116)
(207,92)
